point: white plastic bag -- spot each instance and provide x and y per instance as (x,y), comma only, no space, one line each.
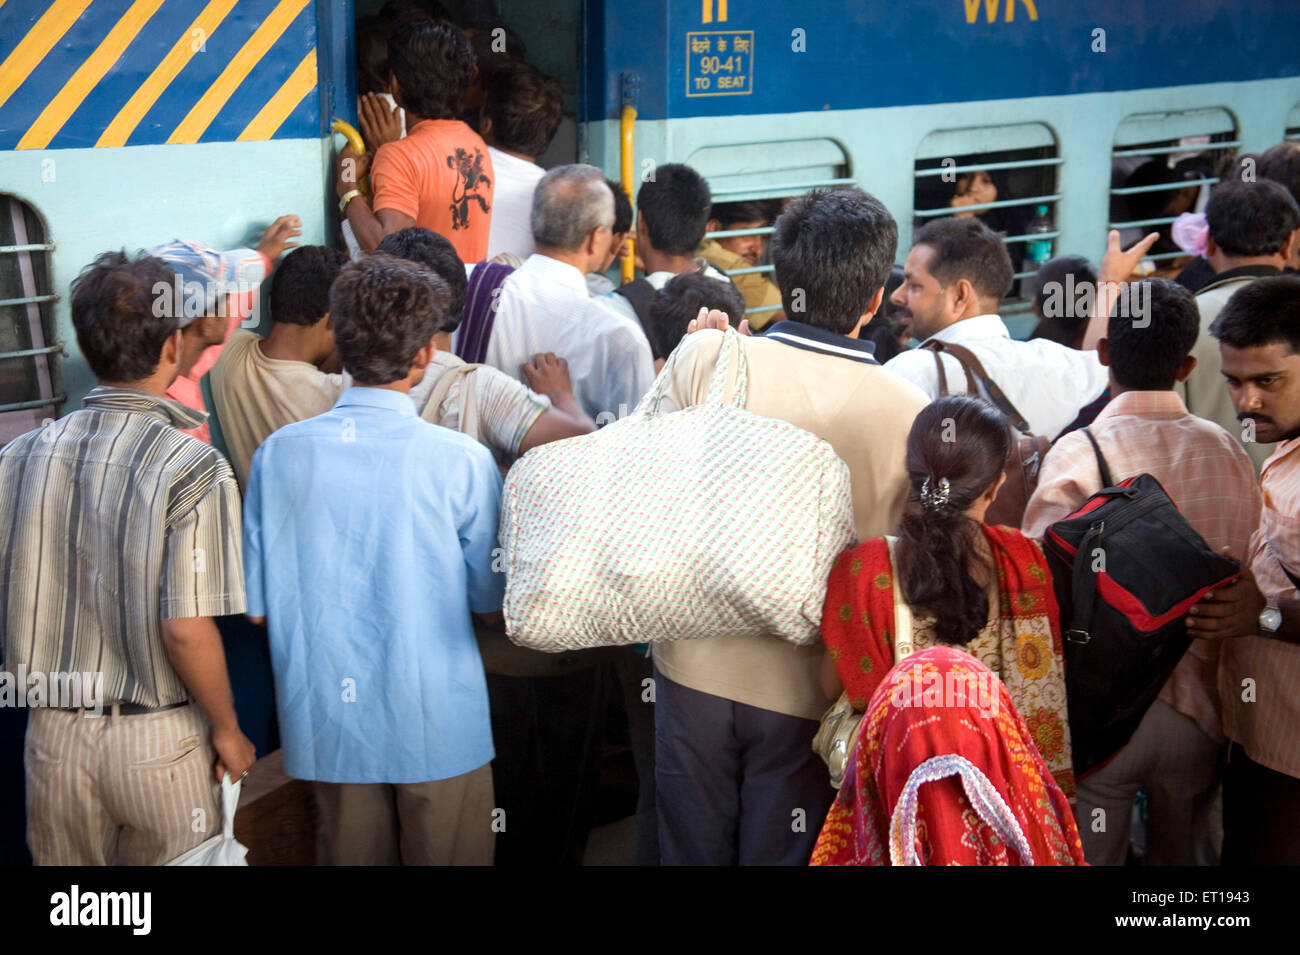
(222,849)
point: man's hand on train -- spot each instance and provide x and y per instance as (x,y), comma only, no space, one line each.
(278,235)
(379,123)
(1231,611)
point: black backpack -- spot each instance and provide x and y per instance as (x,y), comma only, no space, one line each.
(1126,567)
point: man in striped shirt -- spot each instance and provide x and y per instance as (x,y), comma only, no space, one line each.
(1259,670)
(119,541)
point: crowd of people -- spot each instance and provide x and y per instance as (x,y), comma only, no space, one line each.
(333,490)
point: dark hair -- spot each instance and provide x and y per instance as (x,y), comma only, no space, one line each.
(883,329)
(1153,172)
(1151,330)
(434,252)
(675,205)
(967,249)
(385,310)
(965,440)
(433,64)
(757,210)
(1281,163)
(124,311)
(1251,218)
(1057,271)
(300,287)
(681,299)
(1262,312)
(832,252)
(405,10)
(622,208)
(372,54)
(525,106)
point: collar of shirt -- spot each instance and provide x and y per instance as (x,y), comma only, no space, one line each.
(384,398)
(1237,274)
(1165,404)
(977,326)
(128,399)
(812,338)
(1284,450)
(555,271)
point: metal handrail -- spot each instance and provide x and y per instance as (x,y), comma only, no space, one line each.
(1165,186)
(737,233)
(751,270)
(1163,220)
(980,207)
(785,189)
(37,403)
(1023,164)
(28,300)
(29,247)
(1167,150)
(30,352)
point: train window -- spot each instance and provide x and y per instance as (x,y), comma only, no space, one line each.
(768,172)
(1004,175)
(28,352)
(1293,124)
(1164,164)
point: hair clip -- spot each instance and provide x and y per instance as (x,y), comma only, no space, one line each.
(935,497)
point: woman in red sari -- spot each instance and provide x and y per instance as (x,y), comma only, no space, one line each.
(944,773)
(980,588)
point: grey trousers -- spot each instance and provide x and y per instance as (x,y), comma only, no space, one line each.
(1181,770)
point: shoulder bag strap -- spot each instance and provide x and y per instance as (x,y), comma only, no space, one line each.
(903,645)
(1000,400)
(440,391)
(937,346)
(480,310)
(1106,480)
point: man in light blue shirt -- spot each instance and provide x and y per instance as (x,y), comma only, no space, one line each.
(369,538)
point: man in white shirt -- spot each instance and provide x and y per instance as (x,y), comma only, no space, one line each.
(521,112)
(544,305)
(955,276)
(673,212)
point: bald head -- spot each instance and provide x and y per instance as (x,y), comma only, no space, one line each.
(569,204)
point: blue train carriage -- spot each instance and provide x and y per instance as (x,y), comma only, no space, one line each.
(125,124)
(1056,100)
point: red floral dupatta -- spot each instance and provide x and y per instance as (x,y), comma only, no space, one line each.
(944,773)
(1024,650)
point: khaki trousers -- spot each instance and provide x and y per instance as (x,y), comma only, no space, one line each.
(118,790)
(443,822)
(1182,771)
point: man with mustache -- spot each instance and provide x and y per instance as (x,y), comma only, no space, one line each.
(1259,341)
(744,252)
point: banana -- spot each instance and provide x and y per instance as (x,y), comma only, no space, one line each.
(350,134)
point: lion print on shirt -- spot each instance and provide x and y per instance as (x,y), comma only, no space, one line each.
(469,176)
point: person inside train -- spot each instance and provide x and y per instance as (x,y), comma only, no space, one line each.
(380,118)
(1281,163)
(672,214)
(735,717)
(954,280)
(982,186)
(957,574)
(440,176)
(743,252)
(680,300)
(1177,752)
(545,305)
(620,243)
(1251,234)
(259,385)
(512,418)
(1256,619)
(521,112)
(120,540)
(382,703)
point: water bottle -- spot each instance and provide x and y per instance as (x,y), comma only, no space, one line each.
(1038,251)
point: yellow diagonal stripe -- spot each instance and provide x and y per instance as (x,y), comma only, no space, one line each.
(63,105)
(142,100)
(40,39)
(286,99)
(198,119)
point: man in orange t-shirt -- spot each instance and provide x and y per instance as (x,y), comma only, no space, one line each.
(439,177)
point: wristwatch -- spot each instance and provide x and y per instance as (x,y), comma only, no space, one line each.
(1270,618)
(346,198)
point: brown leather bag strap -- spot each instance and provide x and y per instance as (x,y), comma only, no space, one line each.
(937,346)
(996,395)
